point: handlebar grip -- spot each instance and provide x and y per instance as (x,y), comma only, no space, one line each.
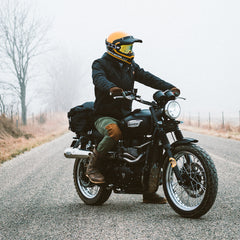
(170,95)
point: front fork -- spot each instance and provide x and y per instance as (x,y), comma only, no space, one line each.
(166,145)
(172,160)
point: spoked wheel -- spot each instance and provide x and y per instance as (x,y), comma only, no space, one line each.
(89,192)
(197,194)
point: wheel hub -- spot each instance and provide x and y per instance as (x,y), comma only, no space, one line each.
(193,179)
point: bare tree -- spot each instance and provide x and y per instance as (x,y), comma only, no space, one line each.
(66,83)
(21,40)
(9,103)
(2,105)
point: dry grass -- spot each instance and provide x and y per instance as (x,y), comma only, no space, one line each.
(7,128)
(228,131)
(14,141)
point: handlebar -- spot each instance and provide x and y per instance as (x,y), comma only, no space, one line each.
(129,95)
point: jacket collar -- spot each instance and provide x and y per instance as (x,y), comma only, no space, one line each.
(114,60)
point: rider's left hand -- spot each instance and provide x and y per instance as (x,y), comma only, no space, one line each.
(116,91)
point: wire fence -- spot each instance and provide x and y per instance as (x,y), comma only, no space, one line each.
(211,120)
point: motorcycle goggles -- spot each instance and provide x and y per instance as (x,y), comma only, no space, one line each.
(126,49)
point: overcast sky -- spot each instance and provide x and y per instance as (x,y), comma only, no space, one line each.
(193,44)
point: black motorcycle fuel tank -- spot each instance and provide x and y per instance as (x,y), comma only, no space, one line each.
(137,123)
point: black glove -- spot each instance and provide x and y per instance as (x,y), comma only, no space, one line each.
(116,91)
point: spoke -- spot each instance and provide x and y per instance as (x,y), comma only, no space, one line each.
(199,200)
(174,185)
(182,192)
(178,189)
(194,190)
(184,168)
(197,183)
(191,195)
(202,187)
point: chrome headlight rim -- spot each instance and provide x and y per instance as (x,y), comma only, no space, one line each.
(172,109)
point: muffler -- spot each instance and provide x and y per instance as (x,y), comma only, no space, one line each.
(76,153)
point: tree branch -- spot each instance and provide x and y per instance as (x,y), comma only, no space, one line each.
(21,39)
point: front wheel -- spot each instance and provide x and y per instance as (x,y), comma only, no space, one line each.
(90,193)
(197,194)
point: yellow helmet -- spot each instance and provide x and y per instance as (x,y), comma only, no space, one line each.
(119,45)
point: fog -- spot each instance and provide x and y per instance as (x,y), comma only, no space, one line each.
(191,44)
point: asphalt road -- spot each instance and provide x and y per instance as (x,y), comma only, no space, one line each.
(38,201)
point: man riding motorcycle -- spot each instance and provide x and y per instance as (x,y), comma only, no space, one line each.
(112,74)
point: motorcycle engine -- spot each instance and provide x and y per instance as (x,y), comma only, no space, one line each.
(131,147)
(124,176)
(125,170)
(131,151)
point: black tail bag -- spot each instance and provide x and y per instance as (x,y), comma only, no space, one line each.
(81,118)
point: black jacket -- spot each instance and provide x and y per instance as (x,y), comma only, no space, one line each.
(108,72)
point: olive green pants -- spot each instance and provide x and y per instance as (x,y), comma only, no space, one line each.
(108,127)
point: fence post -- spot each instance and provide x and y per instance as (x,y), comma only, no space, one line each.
(209,120)
(239,120)
(11,116)
(17,117)
(223,120)
(189,119)
(198,119)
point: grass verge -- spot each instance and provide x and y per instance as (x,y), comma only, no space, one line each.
(15,141)
(229,131)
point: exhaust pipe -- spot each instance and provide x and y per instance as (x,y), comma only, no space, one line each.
(76,153)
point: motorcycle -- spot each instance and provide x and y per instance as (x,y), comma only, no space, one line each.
(153,152)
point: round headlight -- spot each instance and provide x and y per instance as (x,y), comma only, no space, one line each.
(172,109)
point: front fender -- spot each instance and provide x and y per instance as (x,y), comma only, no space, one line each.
(183,141)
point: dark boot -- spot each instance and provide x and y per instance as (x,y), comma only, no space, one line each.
(153,198)
(92,171)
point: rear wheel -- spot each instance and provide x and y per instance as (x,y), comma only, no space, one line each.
(89,192)
(196,196)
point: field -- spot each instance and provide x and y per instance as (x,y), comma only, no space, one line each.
(15,140)
(229,129)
